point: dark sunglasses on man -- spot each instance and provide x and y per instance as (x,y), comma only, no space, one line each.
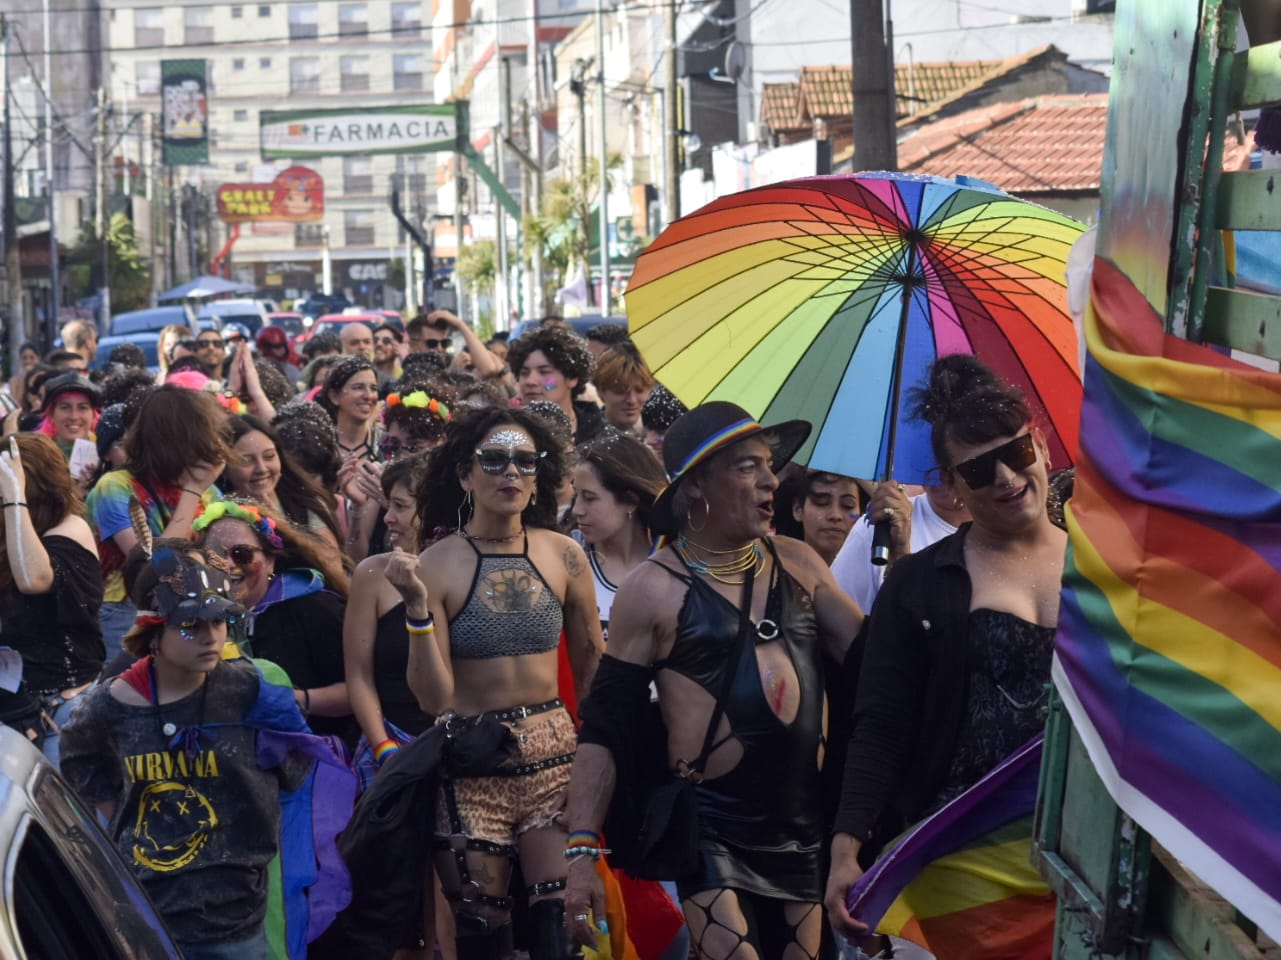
(980,471)
(210,342)
(430,343)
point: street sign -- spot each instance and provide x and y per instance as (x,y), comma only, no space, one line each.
(416,128)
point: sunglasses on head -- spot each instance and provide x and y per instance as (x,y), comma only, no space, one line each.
(980,471)
(495,461)
(242,554)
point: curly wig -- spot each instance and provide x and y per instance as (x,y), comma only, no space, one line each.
(439,492)
(566,350)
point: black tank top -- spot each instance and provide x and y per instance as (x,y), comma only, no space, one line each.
(510,609)
(391,663)
(762,821)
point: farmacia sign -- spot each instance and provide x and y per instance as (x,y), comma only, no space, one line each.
(421,128)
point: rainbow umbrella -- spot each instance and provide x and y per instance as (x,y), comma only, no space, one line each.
(827,298)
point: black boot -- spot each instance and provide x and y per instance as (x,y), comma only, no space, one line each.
(479,939)
(549,938)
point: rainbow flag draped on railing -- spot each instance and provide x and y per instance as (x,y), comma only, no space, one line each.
(1169,641)
(961,882)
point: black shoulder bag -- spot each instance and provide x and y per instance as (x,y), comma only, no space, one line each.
(666,845)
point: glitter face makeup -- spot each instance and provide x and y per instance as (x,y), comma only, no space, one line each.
(509,437)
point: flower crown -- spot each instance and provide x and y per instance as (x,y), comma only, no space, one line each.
(419,400)
(265,526)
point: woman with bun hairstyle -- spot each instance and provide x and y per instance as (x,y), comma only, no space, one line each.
(616,479)
(176,447)
(294,591)
(50,588)
(957,663)
(484,609)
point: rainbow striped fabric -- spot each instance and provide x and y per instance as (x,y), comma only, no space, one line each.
(1169,641)
(961,883)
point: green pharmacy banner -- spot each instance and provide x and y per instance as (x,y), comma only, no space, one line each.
(415,128)
(185,112)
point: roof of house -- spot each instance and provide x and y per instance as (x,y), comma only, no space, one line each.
(1049,144)
(828,92)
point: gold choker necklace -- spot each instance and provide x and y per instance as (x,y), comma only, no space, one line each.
(743,561)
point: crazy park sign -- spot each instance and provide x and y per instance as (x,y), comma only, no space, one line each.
(417,128)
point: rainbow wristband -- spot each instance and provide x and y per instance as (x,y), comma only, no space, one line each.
(385,749)
(583,838)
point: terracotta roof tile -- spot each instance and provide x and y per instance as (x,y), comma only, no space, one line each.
(1051,144)
(781,107)
(827,92)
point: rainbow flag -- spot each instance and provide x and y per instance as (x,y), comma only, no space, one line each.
(961,882)
(1168,655)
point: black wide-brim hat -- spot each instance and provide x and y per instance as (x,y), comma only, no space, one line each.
(70,382)
(705,431)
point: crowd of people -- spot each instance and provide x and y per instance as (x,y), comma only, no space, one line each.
(524,591)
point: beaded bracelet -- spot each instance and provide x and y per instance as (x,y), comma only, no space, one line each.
(594,852)
(385,749)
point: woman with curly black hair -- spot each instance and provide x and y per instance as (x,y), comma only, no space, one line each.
(553,363)
(484,607)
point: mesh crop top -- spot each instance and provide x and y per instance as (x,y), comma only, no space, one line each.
(510,610)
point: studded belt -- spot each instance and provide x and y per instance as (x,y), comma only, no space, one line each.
(520,713)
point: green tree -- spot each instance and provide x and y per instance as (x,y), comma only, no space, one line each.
(128,274)
(563,226)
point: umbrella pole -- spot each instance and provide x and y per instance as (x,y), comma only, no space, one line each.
(881,529)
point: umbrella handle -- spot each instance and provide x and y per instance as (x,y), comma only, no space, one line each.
(880,543)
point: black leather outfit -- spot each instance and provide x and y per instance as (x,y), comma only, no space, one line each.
(761,822)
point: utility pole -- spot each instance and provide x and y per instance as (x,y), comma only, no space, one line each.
(578,87)
(671,153)
(10,253)
(604,163)
(51,318)
(100,211)
(532,124)
(873,128)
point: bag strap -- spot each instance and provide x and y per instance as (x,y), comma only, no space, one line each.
(744,625)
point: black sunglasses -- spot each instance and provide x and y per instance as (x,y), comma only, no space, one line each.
(242,554)
(980,471)
(390,449)
(210,343)
(187,344)
(431,344)
(495,461)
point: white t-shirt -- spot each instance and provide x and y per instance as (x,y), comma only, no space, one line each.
(853,568)
(604,589)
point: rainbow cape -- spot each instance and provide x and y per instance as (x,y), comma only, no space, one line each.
(1168,656)
(961,882)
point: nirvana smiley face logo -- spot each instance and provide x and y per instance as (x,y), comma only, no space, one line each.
(174,823)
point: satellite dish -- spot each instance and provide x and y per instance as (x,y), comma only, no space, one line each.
(735,60)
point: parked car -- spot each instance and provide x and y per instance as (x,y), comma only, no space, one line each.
(319,304)
(149,342)
(68,894)
(579,325)
(248,313)
(334,322)
(294,324)
(151,319)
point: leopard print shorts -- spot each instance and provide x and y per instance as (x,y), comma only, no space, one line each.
(500,809)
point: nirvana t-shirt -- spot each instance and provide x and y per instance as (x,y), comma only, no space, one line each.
(199,821)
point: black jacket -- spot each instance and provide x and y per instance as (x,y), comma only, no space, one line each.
(912,692)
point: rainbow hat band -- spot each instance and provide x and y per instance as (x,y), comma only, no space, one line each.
(703,432)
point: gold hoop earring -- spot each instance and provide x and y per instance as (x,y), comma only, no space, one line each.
(689,515)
